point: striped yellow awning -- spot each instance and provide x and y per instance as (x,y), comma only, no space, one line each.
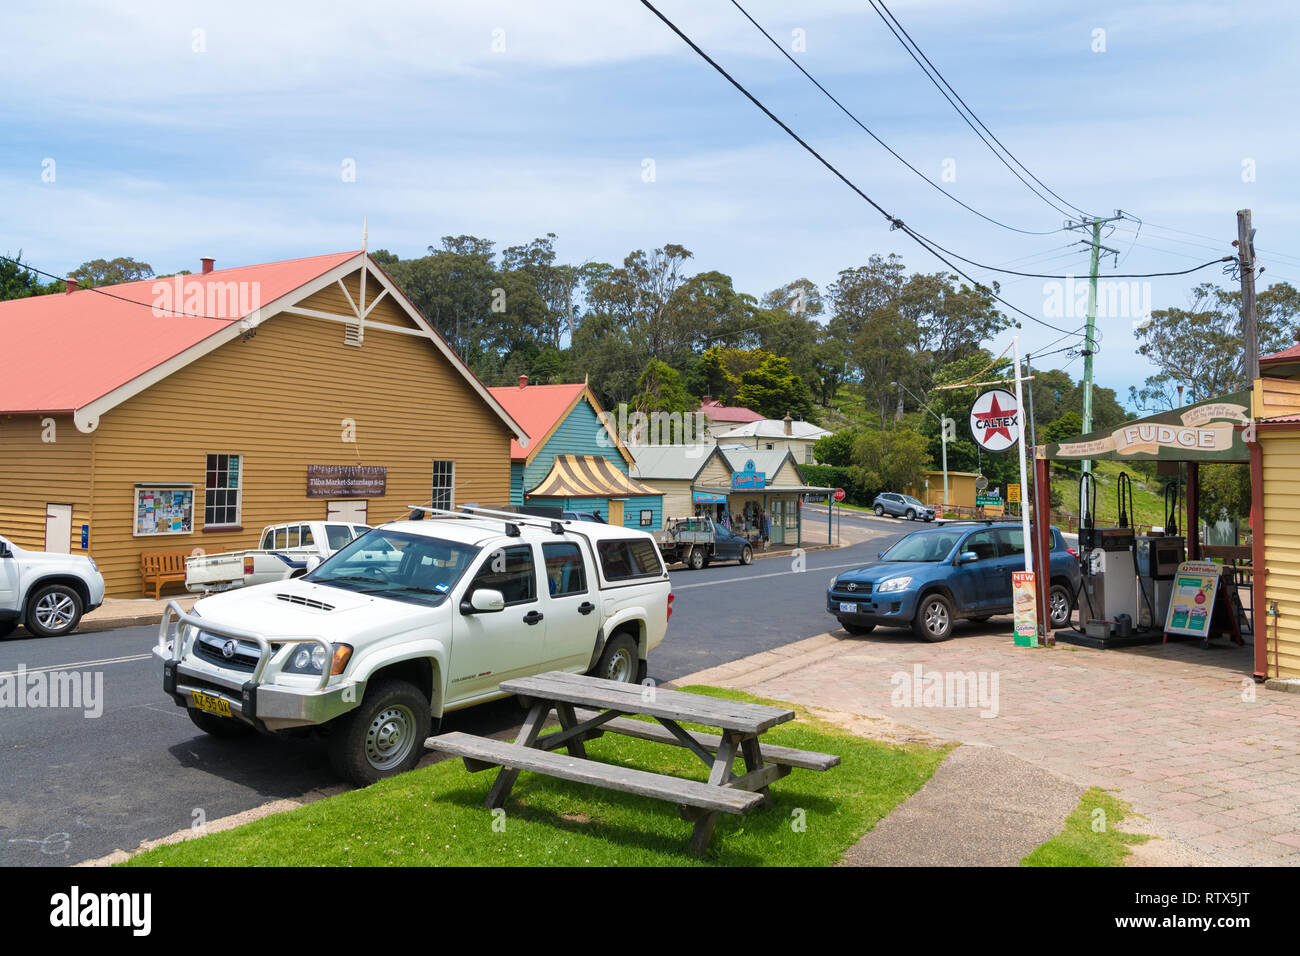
(588,476)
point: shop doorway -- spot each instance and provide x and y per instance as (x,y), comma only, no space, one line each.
(616,512)
(58,529)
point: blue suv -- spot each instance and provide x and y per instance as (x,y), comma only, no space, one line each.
(931,578)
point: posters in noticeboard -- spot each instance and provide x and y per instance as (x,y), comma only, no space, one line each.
(163,509)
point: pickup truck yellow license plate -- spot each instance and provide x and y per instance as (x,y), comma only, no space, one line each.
(213,705)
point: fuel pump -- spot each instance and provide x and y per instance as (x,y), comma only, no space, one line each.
(1108,569)
(1158,558)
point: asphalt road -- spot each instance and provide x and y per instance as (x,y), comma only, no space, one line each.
(75,787)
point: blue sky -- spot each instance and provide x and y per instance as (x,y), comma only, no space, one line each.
(509,120)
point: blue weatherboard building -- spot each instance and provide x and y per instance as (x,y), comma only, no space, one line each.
(573,461)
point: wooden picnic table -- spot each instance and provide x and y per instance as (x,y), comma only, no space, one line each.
(588,707)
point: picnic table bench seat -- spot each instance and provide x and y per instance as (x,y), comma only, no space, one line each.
(492,752)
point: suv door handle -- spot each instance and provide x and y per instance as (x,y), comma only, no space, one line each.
(586,607)
(532,617)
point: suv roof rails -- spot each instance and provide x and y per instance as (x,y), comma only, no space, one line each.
(510,519)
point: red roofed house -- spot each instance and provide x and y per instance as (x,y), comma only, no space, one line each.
(574,459)
(183,414)
(723,418)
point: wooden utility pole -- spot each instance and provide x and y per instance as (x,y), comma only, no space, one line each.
(1249,321)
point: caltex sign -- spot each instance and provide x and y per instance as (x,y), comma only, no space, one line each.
(995,420)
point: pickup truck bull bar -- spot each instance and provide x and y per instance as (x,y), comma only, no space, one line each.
(173,618)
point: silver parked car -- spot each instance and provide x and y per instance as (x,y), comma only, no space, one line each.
(902,506)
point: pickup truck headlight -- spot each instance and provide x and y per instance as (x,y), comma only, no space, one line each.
(310,658)
(894,584)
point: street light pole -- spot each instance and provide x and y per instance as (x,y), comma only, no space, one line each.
(943,437)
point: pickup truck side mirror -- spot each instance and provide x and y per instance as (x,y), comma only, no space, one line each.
(967,556)
(483,601)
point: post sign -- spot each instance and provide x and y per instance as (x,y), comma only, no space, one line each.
(346,481)
(1013,493)
(1024,602)
(839,494)
(995,420)
(984,501)
(1191,606)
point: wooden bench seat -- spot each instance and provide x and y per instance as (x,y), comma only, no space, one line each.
(645,730)
(486,750)
(158,568)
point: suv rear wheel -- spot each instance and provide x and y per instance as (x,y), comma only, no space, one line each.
(384,736)
(880,511)
(1060,603)
(933,618)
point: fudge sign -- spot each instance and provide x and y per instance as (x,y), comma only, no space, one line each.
(995,420)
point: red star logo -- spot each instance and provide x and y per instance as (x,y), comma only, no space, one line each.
(996,412)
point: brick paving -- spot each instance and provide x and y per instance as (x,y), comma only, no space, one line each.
(1181,733)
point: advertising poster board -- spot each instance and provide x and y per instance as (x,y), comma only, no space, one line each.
(1024,601)
(1191,605)
(161,509)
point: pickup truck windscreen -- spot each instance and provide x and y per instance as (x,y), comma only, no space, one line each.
(404,567)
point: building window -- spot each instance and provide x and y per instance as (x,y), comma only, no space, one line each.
(444,485)
(808,455)
(221,491)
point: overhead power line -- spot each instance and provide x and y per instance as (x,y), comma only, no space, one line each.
(937,78)
(121,298)
(849,113)
(894,221)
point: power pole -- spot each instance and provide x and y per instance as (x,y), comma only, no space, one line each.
(1089,336)
(1249,322)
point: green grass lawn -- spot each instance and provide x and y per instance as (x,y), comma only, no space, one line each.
(434,816)
(1148,501)
(1091,836)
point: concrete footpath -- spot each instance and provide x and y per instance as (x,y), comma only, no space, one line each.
(130,612)
(1208,760)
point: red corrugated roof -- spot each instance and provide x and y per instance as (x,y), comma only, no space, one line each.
(1285,355)
(60,352)
(536,408)
(717,412)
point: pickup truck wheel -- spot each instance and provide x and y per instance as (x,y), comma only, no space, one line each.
(217,726)
(619,661)
(384,736)
(695,560)
(53,610)
(746,555)
(933,618)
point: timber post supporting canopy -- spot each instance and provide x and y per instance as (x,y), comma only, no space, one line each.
(1208,431)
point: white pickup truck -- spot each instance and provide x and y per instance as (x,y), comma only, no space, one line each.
(414,620)
(285,552)
(44,591)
